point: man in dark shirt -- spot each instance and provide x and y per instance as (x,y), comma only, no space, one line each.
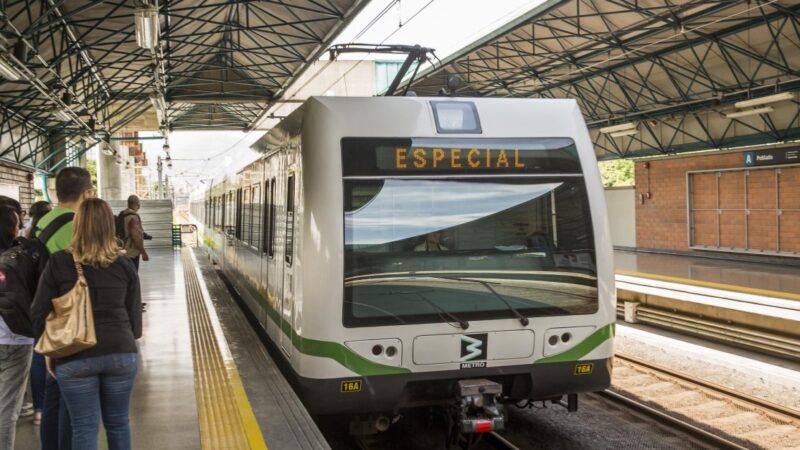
(134,234)
(73,186)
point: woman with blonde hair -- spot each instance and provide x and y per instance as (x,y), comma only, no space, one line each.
(96,382)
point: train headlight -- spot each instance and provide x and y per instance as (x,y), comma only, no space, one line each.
(456,117)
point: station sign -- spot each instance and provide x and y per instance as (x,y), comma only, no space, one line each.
(771,157)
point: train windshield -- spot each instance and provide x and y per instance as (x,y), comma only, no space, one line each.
(424,249)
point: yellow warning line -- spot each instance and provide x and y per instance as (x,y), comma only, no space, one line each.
(712,285)
(224,412)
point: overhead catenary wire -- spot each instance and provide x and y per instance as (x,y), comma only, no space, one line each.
(347,72)
(359,34)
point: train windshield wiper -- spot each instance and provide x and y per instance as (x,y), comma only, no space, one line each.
(443,313)
(461,322)
(522,319)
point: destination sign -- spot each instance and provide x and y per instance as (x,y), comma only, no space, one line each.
(369,157)
(771,157)
(456,158)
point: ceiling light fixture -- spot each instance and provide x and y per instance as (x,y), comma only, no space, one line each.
(783,96)
(7,71)
(750,112)
(60,114)
(623,133)
(148,26)
(107,149)
(158,101)
(616,128)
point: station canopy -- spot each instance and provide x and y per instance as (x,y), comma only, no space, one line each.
(651,77)
(75,71)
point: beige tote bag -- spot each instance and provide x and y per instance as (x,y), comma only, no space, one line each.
(70,326)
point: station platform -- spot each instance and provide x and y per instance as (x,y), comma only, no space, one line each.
(204,379)
(724,274)
(756,306)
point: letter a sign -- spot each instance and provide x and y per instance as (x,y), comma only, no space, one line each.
(749,158)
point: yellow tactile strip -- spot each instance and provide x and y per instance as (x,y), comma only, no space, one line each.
(226,417)
(711,285)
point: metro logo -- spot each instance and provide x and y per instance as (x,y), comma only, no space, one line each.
(473,346)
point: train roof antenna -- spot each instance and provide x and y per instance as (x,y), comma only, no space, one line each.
(413,52)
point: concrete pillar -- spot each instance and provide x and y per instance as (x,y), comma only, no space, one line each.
(109,177)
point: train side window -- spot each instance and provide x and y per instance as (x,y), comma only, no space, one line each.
(239,209)
(272,218)
(221,209)
(265,218)
(255,215)
(219,214)
(223,206)
(289,219)
(245,213)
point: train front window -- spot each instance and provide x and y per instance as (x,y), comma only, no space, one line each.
(418,250)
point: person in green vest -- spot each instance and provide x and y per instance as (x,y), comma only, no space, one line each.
(73,186)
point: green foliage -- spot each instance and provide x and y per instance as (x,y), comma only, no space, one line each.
(617,172)
(91,166)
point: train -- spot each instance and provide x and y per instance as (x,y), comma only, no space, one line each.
(409,251)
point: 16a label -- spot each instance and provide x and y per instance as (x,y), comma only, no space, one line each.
(351,386)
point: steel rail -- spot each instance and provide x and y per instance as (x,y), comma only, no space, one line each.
(676,423)
(768,406)
(498,441)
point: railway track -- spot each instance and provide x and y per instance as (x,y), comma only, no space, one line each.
(712,414)
(499,442)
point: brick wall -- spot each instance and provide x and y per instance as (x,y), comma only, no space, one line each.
(19,177)
(661,221)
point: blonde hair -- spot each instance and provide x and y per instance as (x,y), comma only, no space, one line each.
(94,242)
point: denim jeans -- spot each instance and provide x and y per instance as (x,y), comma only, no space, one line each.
(38,377)
(55,431)
(15,362)
(95,387)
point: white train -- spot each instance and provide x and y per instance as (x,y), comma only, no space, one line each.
(405,251)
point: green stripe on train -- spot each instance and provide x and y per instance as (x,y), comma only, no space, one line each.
(584,348)
(326,349)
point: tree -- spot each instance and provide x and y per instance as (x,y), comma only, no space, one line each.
(91,166)
(617,172)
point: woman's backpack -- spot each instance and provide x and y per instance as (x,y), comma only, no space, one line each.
(20,269)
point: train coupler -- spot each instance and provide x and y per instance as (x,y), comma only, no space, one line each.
(477,407)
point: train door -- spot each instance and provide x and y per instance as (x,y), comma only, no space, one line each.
(267,240)
(274,235)
(287,304)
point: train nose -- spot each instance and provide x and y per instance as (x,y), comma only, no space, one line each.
(473,349)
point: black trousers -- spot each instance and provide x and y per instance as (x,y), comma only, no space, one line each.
(136,262)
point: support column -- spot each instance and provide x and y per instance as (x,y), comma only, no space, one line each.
(109,177)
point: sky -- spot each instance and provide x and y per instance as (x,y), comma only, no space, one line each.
(445,25)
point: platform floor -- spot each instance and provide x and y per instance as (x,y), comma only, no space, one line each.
(163,409)
(747,277)
(183,361)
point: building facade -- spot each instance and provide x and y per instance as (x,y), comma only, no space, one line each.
(745,202)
